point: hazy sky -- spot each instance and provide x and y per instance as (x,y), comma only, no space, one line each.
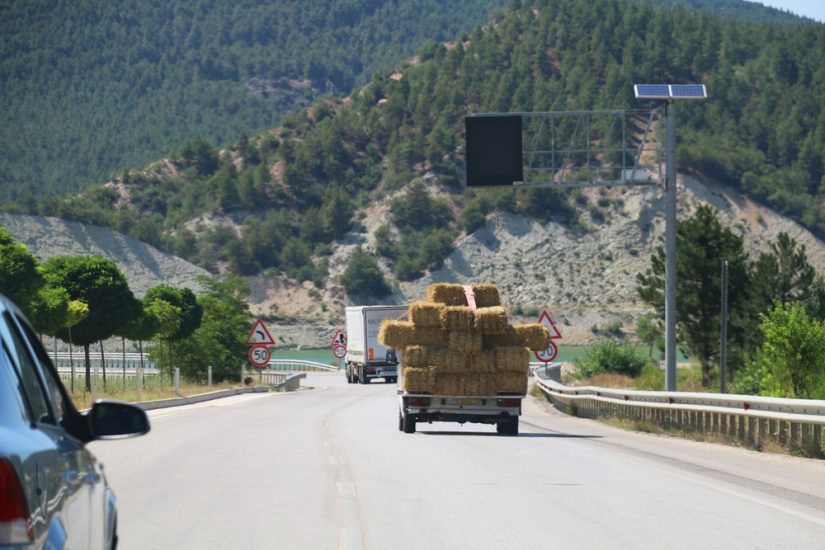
(815,9)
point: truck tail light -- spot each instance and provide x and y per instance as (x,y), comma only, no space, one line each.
(15,527)
(507,402)
(420,402)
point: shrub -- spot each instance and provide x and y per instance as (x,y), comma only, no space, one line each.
(609,357)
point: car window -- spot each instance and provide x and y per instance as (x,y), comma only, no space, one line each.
(27,370)
(52,382)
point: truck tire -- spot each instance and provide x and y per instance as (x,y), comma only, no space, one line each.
(508,427)
(400,421)
(408,422)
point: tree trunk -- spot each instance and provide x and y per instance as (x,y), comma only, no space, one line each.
(103,364)
(123,347)
(71,359)
(88,368)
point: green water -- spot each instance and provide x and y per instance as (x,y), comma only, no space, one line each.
(566,354)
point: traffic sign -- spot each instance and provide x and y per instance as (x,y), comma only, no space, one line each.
(340,339)
(547,355)
(546,320)
(259,335)
(339,352)
(259,355)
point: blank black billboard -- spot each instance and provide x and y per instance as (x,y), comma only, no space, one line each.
(493,150)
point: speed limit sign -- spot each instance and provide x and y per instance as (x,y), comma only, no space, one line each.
(259,355)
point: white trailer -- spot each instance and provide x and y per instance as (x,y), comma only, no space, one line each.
(502,410)
(366,357)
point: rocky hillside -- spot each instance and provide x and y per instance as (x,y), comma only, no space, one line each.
(586,279)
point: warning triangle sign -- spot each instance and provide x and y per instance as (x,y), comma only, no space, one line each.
(546,320)
(259,335)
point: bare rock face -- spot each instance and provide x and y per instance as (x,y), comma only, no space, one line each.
(143,265)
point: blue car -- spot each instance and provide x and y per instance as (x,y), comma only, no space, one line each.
(53,493)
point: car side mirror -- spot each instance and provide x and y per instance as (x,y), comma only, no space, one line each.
(115,420)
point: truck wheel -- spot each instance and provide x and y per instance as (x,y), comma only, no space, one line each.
(400,421)
(408,422)
(508,426)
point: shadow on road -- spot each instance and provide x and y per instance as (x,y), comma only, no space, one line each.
(535,435)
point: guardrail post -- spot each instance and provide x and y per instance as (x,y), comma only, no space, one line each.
(794,442)
(783,433)
(751,429)
(806,438)
(209,376)
(818,439)
(177,380)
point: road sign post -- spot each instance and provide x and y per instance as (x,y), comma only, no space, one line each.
(549,354)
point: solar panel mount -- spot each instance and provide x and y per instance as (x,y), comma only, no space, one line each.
(670,91)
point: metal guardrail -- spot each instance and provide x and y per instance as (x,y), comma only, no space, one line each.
(298,365)
(795,424)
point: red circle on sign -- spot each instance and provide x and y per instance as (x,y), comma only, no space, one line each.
(547,355)
(259,355)
(339,351)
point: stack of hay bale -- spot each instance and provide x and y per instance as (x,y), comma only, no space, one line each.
(459,342)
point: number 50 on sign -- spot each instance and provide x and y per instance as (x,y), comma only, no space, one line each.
(259,355)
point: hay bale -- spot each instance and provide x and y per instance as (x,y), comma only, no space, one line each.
(514,359)
(504,339)
(417,357)
(465,342)
(424,336)
(533,336)
(449,384)
(426,314)
(418,380)
(491,320)
(480,385)
(396,334)
(448,294)
(486,295)
(511,382)
(448,361)
(483,362)
(458,318)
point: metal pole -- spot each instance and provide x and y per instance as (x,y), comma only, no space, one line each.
(723,359)
(670,250)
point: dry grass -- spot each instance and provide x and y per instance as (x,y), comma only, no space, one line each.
(83,399)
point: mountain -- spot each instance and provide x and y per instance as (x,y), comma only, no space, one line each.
(94,88)
(383,167)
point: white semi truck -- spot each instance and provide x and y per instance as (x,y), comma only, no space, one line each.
(366,357)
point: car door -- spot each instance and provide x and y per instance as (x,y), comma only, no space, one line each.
(59,464)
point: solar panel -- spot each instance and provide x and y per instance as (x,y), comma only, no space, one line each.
(688,91)
(652,91)
(670,91)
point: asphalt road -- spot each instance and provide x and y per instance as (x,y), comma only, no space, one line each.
(327,468)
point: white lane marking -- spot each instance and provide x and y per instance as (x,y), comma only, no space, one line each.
(345,488)
(350,539)
(749,498)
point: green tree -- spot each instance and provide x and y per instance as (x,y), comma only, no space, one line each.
(142,328)
(99,284)
(185,299)
(20,279)
(220,339)
(784,274)
(649,331)
(791,361)
(168,317)
(363,276)
(50,310)
(702,244)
